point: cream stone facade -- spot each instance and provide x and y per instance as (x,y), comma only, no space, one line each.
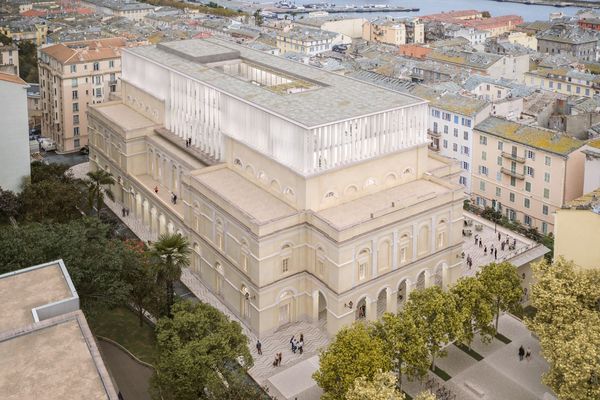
(394,31)
(305,195)
(577,230)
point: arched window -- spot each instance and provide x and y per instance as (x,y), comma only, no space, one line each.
(286,258)
(237,162)
(363,261)
(329,195)
(262,176)
(423,240)
(275,186)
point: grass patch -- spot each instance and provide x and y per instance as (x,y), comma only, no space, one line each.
(441,373)
(122,325)
(470,352)
(502,338)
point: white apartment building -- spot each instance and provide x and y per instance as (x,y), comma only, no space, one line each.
(474,36)
(14,152)
(9,59)
(305,195)
(304,40)
(452,118)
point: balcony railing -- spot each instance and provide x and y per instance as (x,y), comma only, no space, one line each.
(433,147)
(433,133)
(512,173)
(513,157)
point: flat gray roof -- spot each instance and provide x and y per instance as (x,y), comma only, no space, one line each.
(338,98)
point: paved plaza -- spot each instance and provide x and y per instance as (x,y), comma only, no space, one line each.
(499,376)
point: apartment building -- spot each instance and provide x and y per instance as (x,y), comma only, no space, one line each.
(305,195)
(74,75)
(9,59)
(452,118)
(14,152)
(130,9)
(474,36)
(577,229)
(565,81)
(34,106)
(494,65)
(18,29)
(394,31)
(566,39)
(304,40)
(525,172)
(591,175)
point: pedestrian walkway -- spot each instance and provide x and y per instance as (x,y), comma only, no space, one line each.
(500,375)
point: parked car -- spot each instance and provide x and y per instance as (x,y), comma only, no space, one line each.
(47,144)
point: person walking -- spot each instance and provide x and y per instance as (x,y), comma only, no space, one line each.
(259,347)
(123,211)
(156,189)
(279,356)
(528,354)
(174,198)
(293,344)
(521,353)
(301,345)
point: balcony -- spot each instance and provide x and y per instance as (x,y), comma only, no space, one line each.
(434,147)
(513,157)
(433,133)
(512,173)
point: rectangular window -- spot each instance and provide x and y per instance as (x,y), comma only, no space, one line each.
(446,116)
(285,265)
(530,154)
(483,155)
(500,146)
(74,82)
(462,180)
(526,203)
(466,135)
(545,225)
(528,186)
(74,94)
(362,271)
(98,92)
(76,119)
(76,143)
(111,64)
(499,160)
(445,144)
(76,131)
(454,146)
(465,165)
(511,197)
(513,181)
(529,171)
(546,177)
(455,132)
(98,79)
(446,129)
(220,240)
(527,220)
(498,192)
(499,176)
(75,107)
(483,140)
(482,186)
(96,66)
(465,150)
(545,209)
(546,193)
(466,122)
(456,119)
(548,161)
(73,68)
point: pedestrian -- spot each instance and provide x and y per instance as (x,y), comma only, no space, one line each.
(528,354)
(174,198)
(502,246)
(301,346)
(276,361)
(127,211)
(496,253)
(302,337)
(259,347)
(123,211)
(293,344)
(499,236)
(485,250)
(521,353)
(479,243)
(156,189)
(279,356)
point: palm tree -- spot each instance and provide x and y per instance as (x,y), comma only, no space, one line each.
(172,253)
(96,182)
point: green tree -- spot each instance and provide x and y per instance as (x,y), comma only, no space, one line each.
(51,201)
(99,183)
(405,342)
(93,259)
(382,387)
(5,40)
(28,65)
(10,205)
(238,387)
(502,283)
(144,294)
(196,347)
(354,352)
(475,309)
(567,322)
(439,319)
(171,253)
(258,18)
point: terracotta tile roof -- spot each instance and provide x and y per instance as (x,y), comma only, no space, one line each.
(86,50)
(11,78)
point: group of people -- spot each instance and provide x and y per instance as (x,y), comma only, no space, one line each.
(188,142)
(524,353)
(297,345)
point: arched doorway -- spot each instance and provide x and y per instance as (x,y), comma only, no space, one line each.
(401,295)
(361,309)
(322,311)
(420,281)
(381,303)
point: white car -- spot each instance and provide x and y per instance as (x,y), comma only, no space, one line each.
(47,144)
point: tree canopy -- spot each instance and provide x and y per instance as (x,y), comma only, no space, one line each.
(502,283)
(198,347)
(355,352)
(382,387)
(567,322)
(475,309)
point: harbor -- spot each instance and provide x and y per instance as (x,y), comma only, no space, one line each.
(292,9)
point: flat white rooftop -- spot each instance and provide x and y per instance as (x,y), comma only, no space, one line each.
(335,97)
